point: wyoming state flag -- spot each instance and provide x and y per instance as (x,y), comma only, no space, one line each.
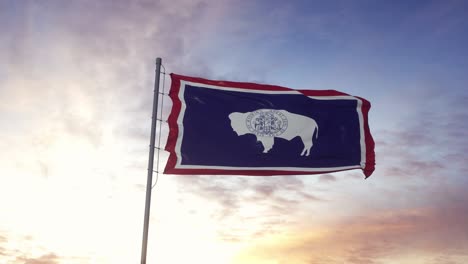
(236,128)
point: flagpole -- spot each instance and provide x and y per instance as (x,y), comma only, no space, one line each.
(149,180)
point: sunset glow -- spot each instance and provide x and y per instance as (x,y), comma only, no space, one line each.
(76,83)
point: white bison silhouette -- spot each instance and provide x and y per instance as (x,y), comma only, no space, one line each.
(269,123)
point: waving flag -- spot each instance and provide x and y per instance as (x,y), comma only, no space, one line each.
(219,127)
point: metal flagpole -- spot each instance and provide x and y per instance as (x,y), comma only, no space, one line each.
(149,180)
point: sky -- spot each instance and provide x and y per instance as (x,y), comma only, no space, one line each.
(76,83)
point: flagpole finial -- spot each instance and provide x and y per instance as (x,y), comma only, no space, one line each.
(158,61)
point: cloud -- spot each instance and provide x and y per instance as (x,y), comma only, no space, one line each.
(399,235)
(50,258)
(11,254)
(266,203)
(428,143)
(230,191)
(327,178)
(98,52)
(3,251)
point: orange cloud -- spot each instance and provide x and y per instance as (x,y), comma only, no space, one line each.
(44,259)
(396,236)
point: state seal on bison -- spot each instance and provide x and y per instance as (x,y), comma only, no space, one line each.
(266,124)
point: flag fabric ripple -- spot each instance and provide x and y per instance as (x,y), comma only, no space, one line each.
(237,128)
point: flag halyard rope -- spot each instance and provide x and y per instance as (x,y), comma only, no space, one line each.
(160,125)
